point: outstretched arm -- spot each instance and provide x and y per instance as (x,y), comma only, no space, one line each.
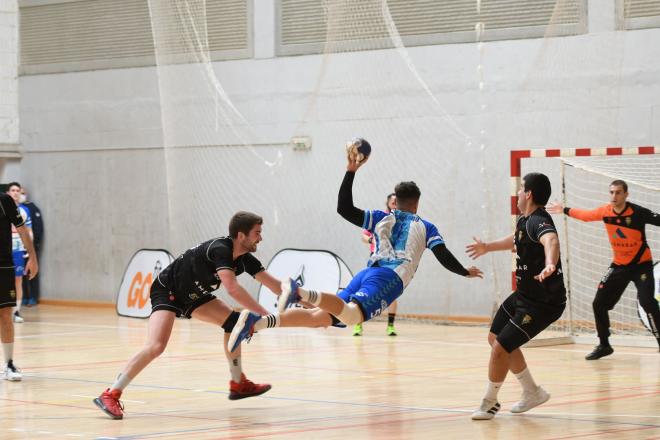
(447,259)
(652,218)
(586,215)
(272,283)
(479,248)
(236,291)
(345,206)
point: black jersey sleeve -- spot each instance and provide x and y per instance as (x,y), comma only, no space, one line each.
(345,206)
(650,217)
(538,226)
(251,265)
(447,259)
(10,210)
(221,256)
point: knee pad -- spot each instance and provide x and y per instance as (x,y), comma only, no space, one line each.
(230,322)
(351,314)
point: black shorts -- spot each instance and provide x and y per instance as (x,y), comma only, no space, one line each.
(517,321)
(7,288)
(162,298)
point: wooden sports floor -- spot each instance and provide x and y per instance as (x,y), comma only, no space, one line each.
(327,384)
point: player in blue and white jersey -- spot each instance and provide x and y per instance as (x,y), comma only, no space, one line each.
(401,239)
(19,252)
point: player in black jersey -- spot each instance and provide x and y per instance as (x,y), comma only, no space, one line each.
(9,216)
(538,301)
(184,289)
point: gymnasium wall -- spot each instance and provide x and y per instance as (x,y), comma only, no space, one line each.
(92,151)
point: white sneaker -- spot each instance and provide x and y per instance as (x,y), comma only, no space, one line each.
(487,410)
(11,373)
(18,318)
(530,400)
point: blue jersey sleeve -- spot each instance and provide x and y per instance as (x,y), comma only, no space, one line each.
(371,218)
(433,237)
(26,213)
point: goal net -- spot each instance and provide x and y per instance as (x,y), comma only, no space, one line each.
(581,179)
(437,113)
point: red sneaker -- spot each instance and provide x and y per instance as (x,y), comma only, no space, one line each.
(246,388)
(109,403)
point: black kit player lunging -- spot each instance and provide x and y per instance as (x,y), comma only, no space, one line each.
(184,289)
(625,224)
(9,216)
(539,299)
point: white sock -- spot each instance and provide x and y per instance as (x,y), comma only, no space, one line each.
(268,321)
(18,306)
(492,390)
(8,350)
(526,380)
(236,369)
(121,382)
(310,296)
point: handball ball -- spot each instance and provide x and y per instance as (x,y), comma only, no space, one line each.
(358,149)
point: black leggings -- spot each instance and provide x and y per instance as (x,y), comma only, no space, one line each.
(611,287)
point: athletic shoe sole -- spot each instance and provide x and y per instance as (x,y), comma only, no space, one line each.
(100,404)
(239,396)
(285,299)
(235,338)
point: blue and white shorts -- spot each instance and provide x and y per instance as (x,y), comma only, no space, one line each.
(19,263)
(373,289)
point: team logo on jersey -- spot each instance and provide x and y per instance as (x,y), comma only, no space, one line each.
(618,234)
(526,319)
(520,235)
(12,293)
(193,296)
(628,221)
(643,277)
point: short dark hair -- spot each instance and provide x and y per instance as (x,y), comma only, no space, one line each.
(620,183)
(10,184)
(407,192)
(243,221)
(539,185)
(387,201)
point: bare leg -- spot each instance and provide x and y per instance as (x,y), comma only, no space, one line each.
(393,307)
(6,326)
(499,363)
(517,361)
(19,292)
(216,312)
(158,334)
(306,318)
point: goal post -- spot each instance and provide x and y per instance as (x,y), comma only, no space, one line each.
(580,178)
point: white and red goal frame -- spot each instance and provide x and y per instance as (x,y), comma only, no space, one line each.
(516,157)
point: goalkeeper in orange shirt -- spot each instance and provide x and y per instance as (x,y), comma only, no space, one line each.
(625,224)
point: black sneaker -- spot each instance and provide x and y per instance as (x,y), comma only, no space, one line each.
(599,352)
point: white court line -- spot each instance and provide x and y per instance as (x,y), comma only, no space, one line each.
(42,335)
(603,415)
(60,324)
(94,397)
(483,345)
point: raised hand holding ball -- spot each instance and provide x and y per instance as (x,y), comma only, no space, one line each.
(358,150)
